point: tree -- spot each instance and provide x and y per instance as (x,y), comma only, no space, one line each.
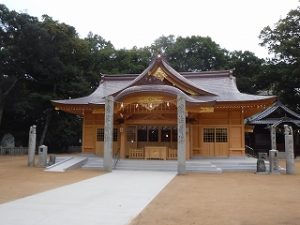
(193,53)
(246,68)
(162,44)
(99,58)
(134,60)
(16,30)
(39,61)
(283,40)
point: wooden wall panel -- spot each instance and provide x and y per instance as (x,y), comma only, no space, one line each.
(235,117)
(237,147)
(99,148)
(221,149)
(94,119)
(89,138)
(195,140)
(235,137)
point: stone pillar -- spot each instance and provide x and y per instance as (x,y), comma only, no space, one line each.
(274,163)
(273,137)
(108,133)
(181,135)
(187,144)
(289,149)
(122,141)
(43,155)
(31,145)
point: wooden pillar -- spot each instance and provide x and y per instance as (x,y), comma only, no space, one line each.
(122,141)
(108,133)
(181,135)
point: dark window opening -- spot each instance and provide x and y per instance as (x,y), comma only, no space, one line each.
(142,133)
(165,134)
(153,134)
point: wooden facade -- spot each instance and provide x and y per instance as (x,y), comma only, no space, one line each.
(145,113)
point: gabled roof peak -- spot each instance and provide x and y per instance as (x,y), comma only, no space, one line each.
(159,69)
(277,105)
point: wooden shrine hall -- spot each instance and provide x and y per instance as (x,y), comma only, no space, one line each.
(162,113)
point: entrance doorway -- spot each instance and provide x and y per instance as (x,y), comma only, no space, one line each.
(214,142)
(159,137)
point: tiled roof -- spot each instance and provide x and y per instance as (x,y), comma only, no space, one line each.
(209,86)
(263,117)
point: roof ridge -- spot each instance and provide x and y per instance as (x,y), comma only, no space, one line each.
(161,63)
(208,71)
(270,110)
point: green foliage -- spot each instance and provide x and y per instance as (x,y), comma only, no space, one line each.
(64,131)
(40,61)
(193,53)
(246,68)
(284,42)
(133,61)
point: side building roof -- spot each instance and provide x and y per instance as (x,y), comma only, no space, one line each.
(274,114)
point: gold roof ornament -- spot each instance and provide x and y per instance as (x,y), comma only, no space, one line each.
(159,74)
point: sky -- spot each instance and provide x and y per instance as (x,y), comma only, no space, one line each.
(233,24)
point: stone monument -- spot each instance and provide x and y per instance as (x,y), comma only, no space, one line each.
(31,145)
(289,149)
(43,151)
(274,162)
(260,166)
(8,141)
(108,133)
(181,135)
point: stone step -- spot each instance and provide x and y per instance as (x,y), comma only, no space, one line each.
(72,163)
(193,165)
(93,163)
(161,165)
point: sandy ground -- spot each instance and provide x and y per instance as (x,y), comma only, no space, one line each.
(216,199)
(17,180)
(228,198)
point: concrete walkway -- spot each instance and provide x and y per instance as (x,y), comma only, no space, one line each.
(110,199)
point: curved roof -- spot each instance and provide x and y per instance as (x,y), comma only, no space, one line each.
(160,89)
(159,76)
(276,113)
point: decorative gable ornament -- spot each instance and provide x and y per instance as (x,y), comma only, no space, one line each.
(159,74)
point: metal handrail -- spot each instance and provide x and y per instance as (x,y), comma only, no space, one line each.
(250,151)
(116,159)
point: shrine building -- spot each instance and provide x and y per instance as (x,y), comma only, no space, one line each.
(155,114)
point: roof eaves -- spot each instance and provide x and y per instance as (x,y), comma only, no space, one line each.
(263,114)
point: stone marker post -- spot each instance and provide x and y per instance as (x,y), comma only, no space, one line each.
(274,163)
(181,135)
(289,149)
(273,137)
(42,151)
(108,133)
(260,164)
(31,145)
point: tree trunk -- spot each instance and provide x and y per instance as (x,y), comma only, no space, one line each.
(45,129)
